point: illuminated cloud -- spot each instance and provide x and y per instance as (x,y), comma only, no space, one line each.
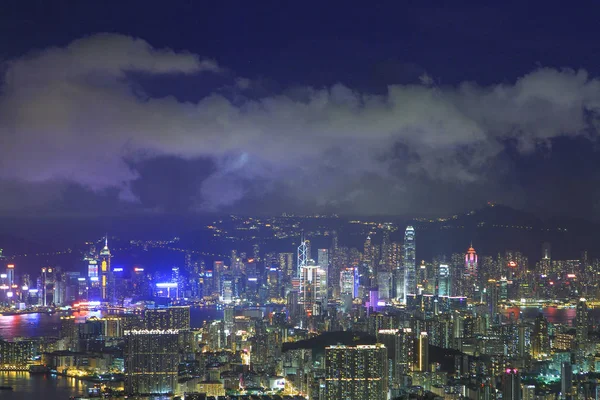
(77,115)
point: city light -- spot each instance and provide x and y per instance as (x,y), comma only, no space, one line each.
(164,285)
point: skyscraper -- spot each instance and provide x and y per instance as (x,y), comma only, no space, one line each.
(313,282)
(410,263)
(511,385)
(303,255)
(151,360)
(356,372)
(471,262)
(566,381)
(540,340)
(106,281)
(368,254)
(400,350)
(443,284)
(384,283)
(582,321)
(168,318)
(323,258)
(349,282)
(422,363)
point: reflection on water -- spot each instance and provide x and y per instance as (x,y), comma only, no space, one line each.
(27,387)
(42,387)
(554,315)
(35,325)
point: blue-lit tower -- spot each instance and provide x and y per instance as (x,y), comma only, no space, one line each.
(410,263)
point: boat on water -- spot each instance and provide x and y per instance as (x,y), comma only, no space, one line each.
(6,388)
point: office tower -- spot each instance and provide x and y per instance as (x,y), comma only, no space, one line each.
(168,318)
(422,356)
(471,263)
(511,384)
(581,321)
(141,286)
(308,250)
(422,278)
(492,292)
(398,285)
(443,285)
(335,262)
(151,361)
(368,254)
(386,250)
(540,340)
(313,282)
(566,381)
(349,282)
(356,372)
(91,261)
(10,274)
(303,255)
(47,281)
(410,263)
(274,282)
(106,281)
(286,265)
(323,258)
(400,347)
(384,283)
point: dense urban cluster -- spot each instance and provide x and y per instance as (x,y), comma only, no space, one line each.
(330,323)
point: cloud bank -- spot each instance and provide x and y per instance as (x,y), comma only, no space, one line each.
(76,116)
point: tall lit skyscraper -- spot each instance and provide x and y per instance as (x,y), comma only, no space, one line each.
(10,274)
(443,283)
(323,258)
(400,345)
(410,263)
(386,249)
(384,283)
(540,340)
(313,282)
(368,254)
(286,265)
(582,321)
(471,262)
(511,385)
(151,361)
(349,282)
(106,280)
(422,363)
(356,372)
(303,255)
(566,381)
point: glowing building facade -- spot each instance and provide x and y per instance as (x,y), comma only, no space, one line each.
(356,372)
(151,361)
(409,263)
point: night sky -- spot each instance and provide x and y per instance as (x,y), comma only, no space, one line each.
(399,108)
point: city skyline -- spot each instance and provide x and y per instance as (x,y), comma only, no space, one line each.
(299,200)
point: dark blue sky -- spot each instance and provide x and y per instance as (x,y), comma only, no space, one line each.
(322,43)
(289,50)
